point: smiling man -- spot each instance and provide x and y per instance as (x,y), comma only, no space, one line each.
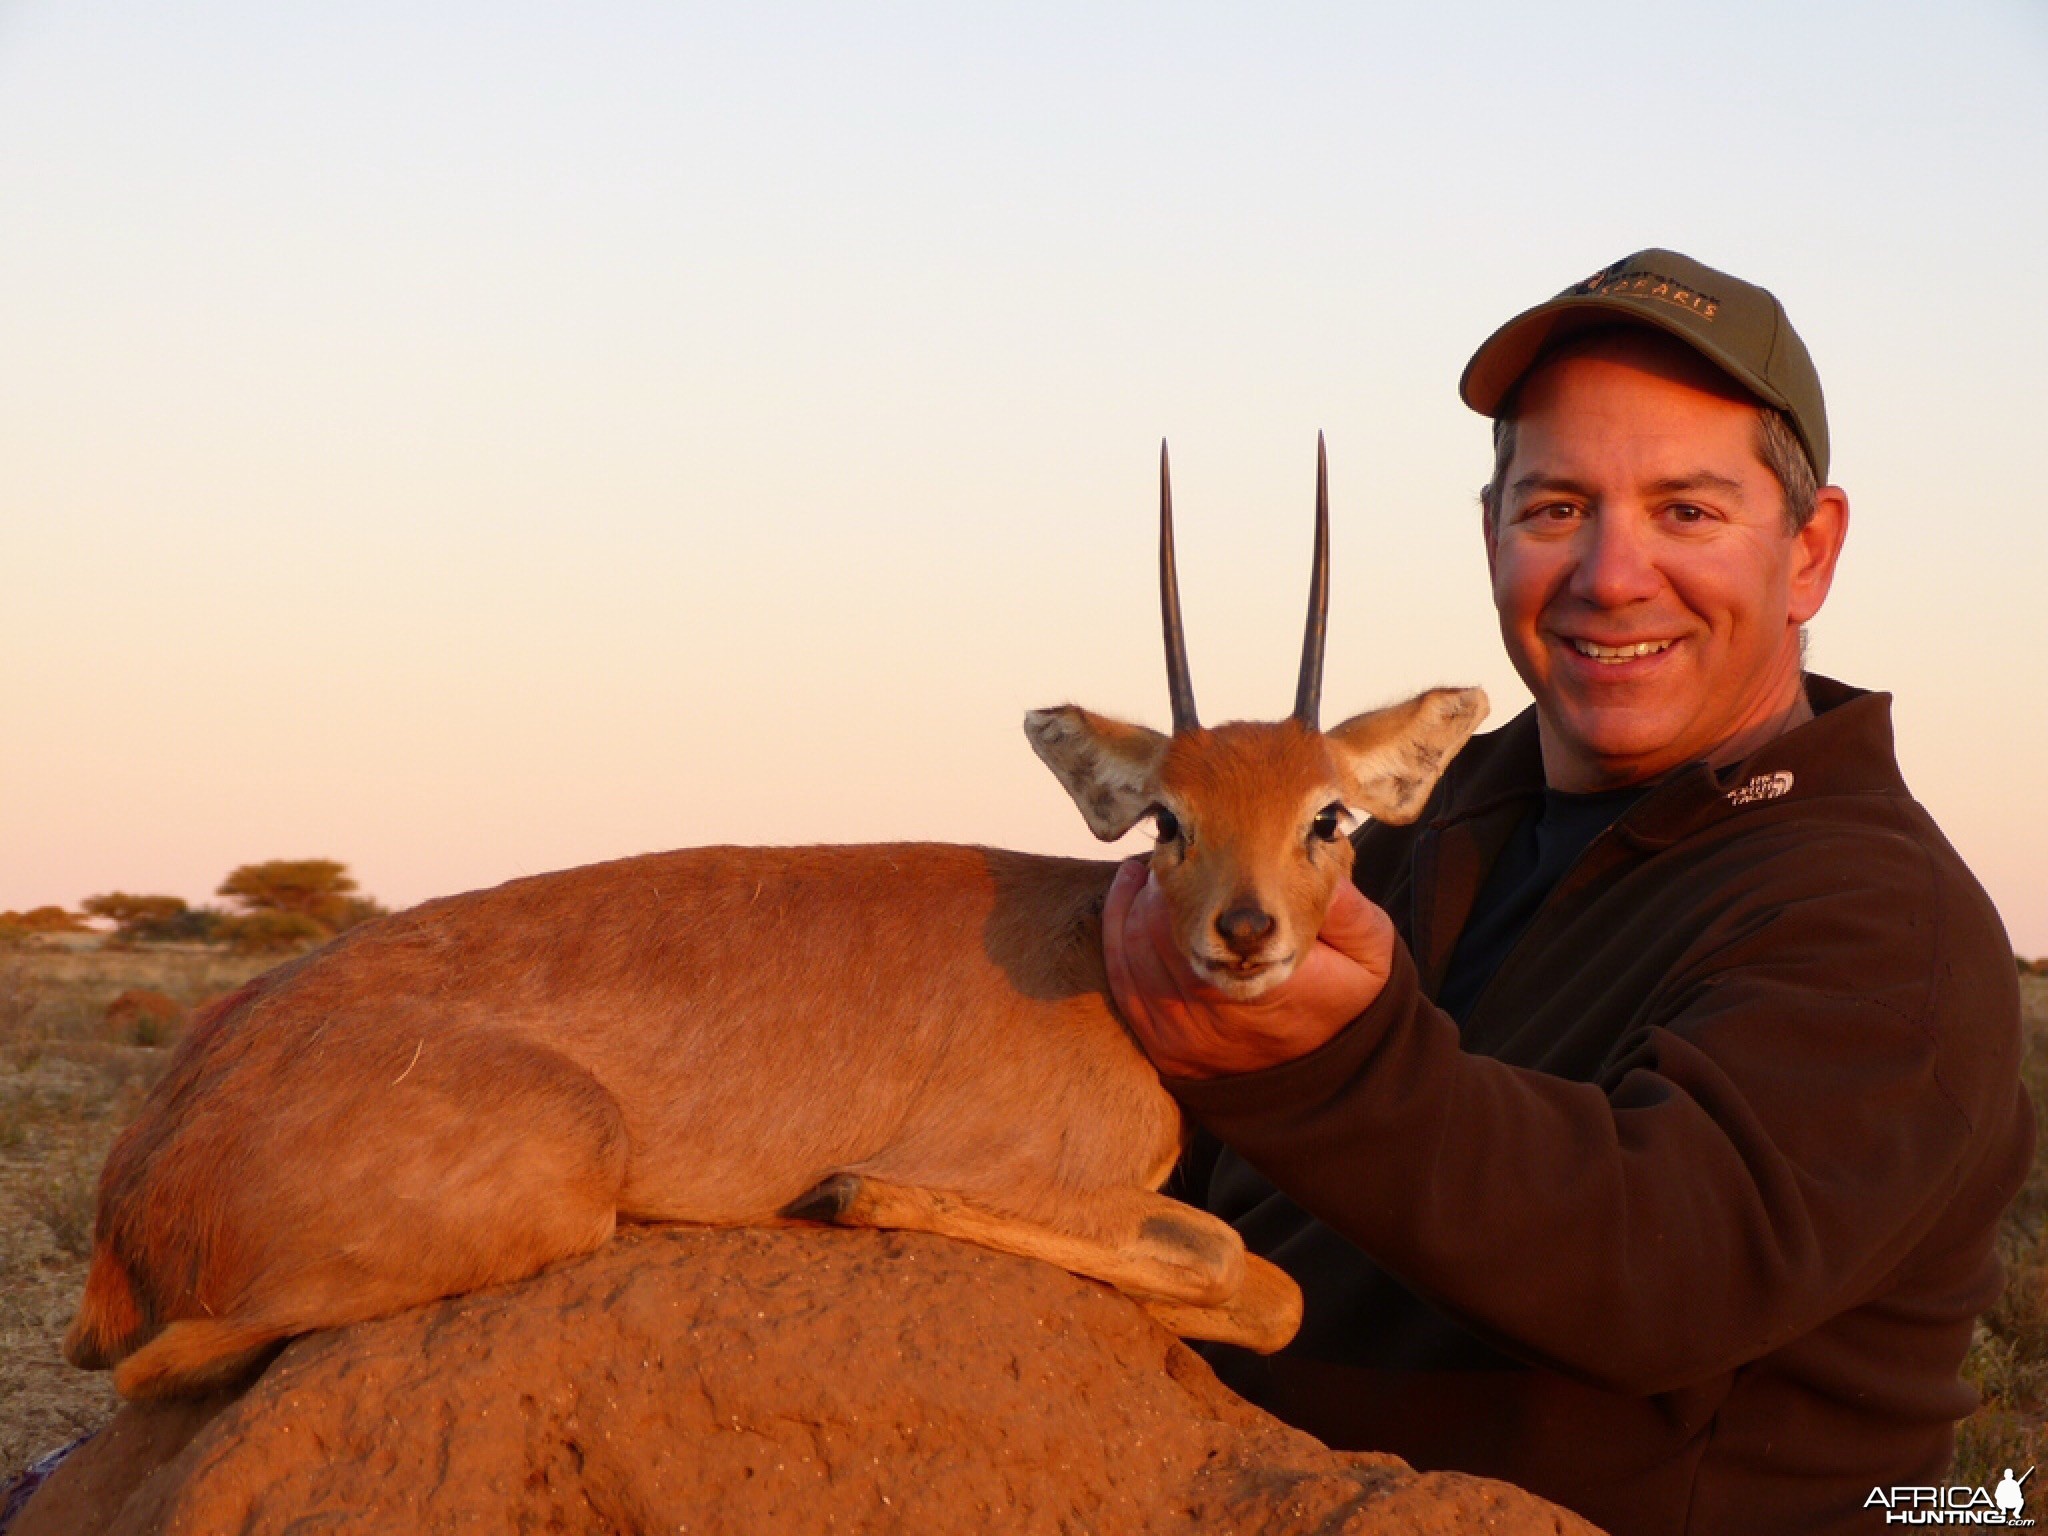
(1640,1133)
(1650,581)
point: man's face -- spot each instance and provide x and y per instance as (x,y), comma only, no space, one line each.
(1649,592)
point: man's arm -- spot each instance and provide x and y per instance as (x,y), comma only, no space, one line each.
(1759,1158)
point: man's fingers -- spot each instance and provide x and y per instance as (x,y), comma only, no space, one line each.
(1116,912)
(1190,1030)
(1130,879)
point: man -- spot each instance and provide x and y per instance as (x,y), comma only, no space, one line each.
(1642,1139)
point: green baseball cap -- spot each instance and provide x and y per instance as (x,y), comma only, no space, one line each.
(1738,327)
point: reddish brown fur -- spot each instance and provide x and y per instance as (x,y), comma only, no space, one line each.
(457,1095)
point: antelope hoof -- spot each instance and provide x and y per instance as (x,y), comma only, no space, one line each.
(828,1202)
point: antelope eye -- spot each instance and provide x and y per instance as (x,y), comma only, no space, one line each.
(1328,825)
(1168,824)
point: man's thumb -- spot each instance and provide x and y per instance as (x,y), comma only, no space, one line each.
(1356,928)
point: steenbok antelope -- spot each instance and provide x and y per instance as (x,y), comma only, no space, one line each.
(908,1036)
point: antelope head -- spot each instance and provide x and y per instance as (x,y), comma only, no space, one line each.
(1252,817)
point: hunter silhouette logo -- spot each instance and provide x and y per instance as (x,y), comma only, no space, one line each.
(2008,1496)
(2002,1504)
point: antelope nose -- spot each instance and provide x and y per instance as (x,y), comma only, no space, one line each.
(1244,928)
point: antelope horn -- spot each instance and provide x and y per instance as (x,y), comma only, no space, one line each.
(1308,698)
(1177,681)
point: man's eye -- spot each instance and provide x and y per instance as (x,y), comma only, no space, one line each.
(1550,512)
(1686,512)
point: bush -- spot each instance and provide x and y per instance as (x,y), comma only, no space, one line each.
(139,918)
(39,920)
(139,1016)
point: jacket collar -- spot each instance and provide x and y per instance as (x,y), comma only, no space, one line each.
(1845,749)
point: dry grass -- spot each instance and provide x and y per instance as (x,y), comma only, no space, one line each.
(66,1089)
(2008,1364)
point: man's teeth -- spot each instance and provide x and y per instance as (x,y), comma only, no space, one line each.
(1620,652)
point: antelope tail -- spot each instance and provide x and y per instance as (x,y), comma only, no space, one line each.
(110,1322)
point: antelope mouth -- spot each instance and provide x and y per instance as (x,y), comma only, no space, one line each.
(1241,977)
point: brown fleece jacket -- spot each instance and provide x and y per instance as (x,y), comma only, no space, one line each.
(1688,1228)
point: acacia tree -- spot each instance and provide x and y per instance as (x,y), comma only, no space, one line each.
(314,888)
(287,901)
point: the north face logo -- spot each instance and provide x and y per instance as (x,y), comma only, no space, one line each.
(1765,786)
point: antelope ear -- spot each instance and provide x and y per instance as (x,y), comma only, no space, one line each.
(1390,759)
(1111,769)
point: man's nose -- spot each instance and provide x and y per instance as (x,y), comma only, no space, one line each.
(1616,565)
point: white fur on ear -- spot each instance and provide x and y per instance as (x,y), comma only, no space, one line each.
(1110,768)
(1391,758)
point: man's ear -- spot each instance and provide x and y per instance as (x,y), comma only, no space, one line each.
(1111,769)
(1816,549)
(1390,759)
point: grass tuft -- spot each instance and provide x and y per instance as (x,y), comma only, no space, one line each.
(62,1200)
(20,999)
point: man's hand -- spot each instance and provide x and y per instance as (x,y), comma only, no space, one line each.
(1189,1029)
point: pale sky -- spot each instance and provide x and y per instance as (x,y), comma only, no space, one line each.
(469,439)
